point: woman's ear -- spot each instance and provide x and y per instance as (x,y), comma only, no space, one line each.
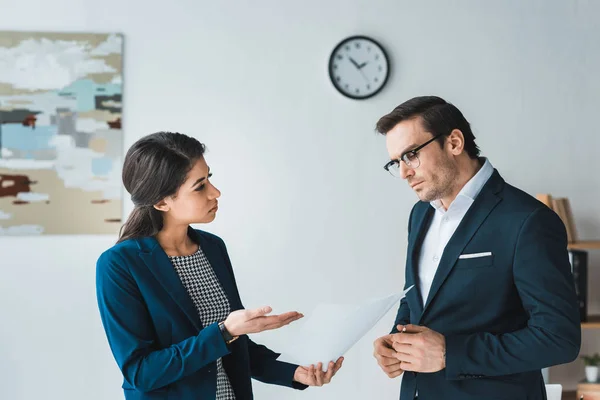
(162,205)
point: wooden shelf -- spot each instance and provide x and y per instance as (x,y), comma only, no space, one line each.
(593,321)
(585,245)
(569,395)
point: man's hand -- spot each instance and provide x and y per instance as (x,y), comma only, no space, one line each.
(420,349)
(385,355)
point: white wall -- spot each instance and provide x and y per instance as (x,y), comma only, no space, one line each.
(307,211)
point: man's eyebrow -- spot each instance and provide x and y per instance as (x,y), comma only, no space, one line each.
(409,148)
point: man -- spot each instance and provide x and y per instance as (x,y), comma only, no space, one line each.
(494,300)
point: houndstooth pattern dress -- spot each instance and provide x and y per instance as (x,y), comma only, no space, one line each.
(204,288)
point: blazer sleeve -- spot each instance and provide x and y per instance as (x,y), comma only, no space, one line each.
(131,336)
(264,365)
(543,279)
(403,315)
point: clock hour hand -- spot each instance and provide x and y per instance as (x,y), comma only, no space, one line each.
(359,68)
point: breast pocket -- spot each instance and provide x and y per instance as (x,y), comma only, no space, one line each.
(469,261)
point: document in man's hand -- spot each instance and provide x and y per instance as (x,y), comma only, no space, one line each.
(332,329)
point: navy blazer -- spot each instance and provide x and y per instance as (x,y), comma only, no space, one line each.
(155,333)
(504,316)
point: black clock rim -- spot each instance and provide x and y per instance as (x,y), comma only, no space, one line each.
(330,68)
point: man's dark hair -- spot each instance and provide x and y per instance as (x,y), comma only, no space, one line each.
(437,116)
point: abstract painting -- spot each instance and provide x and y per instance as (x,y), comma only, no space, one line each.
(61,141)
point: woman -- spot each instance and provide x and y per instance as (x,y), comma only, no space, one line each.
(167,294)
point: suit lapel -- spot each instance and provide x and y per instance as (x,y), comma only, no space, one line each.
(423,220)
(159,264)
(483,205)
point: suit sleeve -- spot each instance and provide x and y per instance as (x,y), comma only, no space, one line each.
(543,279)
(403,315)
(264,365)
(131,335)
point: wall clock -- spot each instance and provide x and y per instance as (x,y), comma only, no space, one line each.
(359,67)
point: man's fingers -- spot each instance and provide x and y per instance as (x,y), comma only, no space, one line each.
(393,369)
(384,351)
(387,361)
(403,348)
(395,374)
(394,337)
(406,366)
(406,358)
(408,339)
(410,328)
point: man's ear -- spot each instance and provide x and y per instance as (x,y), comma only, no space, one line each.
(456,140)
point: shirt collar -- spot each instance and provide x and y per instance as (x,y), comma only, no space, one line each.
(472,187)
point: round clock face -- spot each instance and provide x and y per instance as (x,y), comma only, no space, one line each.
(358,67)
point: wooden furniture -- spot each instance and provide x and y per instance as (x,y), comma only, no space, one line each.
(589,391)
(569,395)
(585,245)
(593,322)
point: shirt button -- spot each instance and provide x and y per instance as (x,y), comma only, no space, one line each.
(435,258)
(445,219)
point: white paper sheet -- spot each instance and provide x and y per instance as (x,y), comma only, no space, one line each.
(332,329)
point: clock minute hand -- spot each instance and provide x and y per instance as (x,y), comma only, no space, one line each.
(363,74)
(359,68)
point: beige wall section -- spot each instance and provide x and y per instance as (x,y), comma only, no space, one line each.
(8,89)
(100,115)
(69,210)
(13,38)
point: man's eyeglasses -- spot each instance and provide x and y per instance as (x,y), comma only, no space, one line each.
(410,158)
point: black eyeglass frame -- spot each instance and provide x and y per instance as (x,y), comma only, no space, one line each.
(414,152)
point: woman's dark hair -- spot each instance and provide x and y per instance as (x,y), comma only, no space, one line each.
(154,168)
(437,116)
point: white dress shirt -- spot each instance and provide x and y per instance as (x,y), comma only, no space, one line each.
(444,225)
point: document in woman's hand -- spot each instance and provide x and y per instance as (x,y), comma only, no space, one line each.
(332,329)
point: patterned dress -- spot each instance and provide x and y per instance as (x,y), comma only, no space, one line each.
(204,288)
